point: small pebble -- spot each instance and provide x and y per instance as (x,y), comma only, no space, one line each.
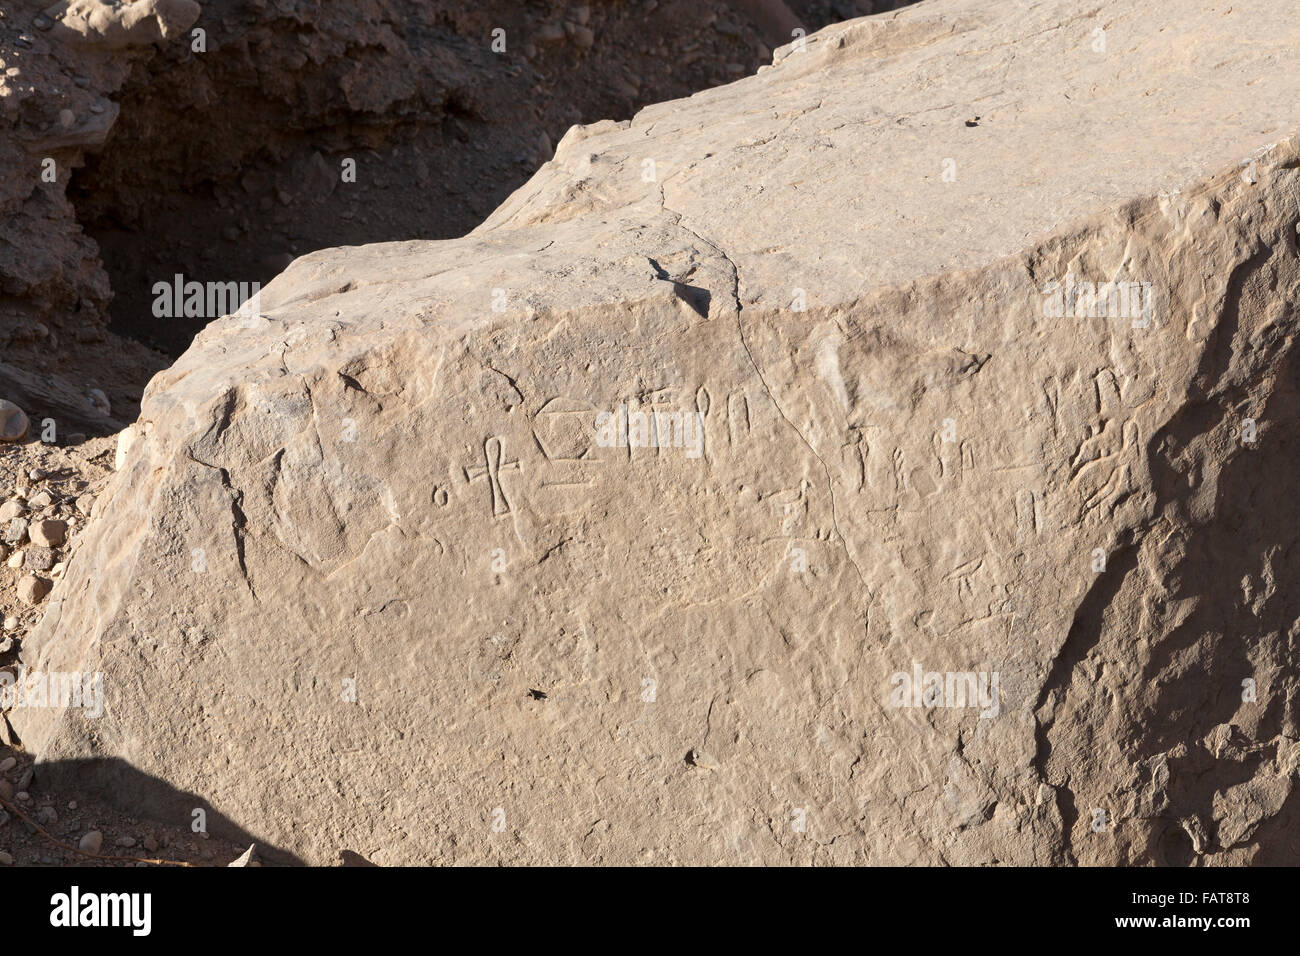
(703,759)
(91,842)
(48,533)
(38,559)
(14,508)
(16,531)
(8,764)
(6,859)
(32,589)
(40,500)
(550,33)
(126,842)
(246,858)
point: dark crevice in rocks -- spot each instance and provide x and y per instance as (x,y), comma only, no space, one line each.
(225,165)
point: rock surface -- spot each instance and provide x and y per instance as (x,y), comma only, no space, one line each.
(116,26)
(32,589)
(140,140)
(376,576)
(48,533)
(13,422)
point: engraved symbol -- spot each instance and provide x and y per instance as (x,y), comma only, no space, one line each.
(792,503)
(963,575)
(1028,505)
(738,420)
(703,402)
(854,462)
(1052,395)
(562,429)
(494,461)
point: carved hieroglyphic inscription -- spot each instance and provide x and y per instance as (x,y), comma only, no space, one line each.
(494,462)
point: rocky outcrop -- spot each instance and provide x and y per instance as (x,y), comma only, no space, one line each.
(58,71)
(144,139)
(884,459)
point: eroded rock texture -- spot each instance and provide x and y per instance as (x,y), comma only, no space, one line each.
(926,445)
(139,140)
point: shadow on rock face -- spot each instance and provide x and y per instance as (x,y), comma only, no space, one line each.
(130,791)
(1202,719)
(348,858)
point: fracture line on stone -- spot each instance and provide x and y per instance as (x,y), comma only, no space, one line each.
(740,328)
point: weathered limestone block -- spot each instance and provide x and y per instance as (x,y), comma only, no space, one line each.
(889,458)
(118,25)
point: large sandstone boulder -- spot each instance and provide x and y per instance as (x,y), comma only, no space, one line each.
(889,458)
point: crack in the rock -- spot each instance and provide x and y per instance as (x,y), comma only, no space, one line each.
(740,328)
(239,520)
